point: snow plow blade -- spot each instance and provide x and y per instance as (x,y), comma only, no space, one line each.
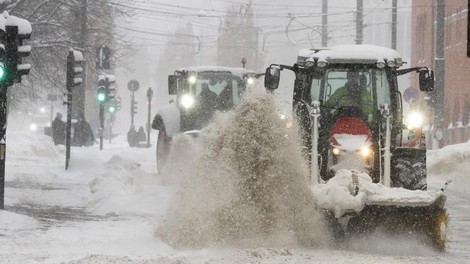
(423,220)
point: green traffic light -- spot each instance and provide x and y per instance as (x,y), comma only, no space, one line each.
(112,109)
(101,97)
(2,72)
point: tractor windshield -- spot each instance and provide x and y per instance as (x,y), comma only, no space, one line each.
(363,88)
(220,89)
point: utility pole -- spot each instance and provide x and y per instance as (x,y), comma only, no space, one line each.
(439,91)
(394,24)
(359,21)
(324,24)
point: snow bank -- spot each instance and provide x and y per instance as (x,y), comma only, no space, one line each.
(12,222)
(451,163)
(29,145)
(245,186)
(121,186)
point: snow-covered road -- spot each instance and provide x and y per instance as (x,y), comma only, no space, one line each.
(106,207)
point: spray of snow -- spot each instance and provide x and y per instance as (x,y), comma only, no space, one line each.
(246,186)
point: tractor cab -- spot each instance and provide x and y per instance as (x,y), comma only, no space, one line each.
(355,91)
(200,92)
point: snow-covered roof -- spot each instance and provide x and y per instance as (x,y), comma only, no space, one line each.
(234,71)
(363,53)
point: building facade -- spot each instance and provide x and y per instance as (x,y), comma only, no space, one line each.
(456,91)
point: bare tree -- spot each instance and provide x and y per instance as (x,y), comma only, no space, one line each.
(239,39)
(57,26)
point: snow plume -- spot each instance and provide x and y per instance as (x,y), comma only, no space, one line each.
(247,186)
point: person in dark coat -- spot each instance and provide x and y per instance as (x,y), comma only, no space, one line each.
(82,133)
(58,130)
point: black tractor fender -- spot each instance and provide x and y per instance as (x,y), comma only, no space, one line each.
(158,123)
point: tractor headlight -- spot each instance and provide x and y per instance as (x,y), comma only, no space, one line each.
(187,101)
(365,151)
(192,79)
(250,81)
(336,151)
(414,120)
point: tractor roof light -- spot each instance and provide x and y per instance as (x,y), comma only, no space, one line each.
(391,63)
(380,64)
(309,63)
(322,64)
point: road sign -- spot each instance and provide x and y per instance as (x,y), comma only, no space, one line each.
(133,85)
(410,95)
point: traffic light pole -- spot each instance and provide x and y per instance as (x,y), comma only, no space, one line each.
(132,110)
(68,137)
(3,145)
(101,125)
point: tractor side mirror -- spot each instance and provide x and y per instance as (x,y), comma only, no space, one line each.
(172,84)
(271,78)
(426,80)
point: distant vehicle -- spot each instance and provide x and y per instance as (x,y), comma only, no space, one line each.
(200,92)
(41,122)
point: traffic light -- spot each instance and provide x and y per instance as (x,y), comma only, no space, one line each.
(118,103)
(2,63)
(106,88)
(105,91)
(74,69)
(102,95)
(112,106)
(133,107)
(16,30)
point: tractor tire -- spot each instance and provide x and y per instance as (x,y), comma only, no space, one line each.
(409,170)
(163,150)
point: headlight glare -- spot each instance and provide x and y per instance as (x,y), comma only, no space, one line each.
(192,79)
(414,120)
(187,101)
(336,151)
(365,151)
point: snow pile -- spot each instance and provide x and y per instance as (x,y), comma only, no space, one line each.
(451,163)
(28,145)
(338,194)
(11,223)
(120,186)
(246,186)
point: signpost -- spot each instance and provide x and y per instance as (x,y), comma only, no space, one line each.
(133,86)
(149,97)
(410,95)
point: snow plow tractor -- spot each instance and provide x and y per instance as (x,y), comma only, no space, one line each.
(199,92)
(364,176)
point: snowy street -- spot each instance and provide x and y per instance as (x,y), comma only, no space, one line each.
(106,207)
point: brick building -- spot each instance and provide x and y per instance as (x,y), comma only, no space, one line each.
(456,123)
